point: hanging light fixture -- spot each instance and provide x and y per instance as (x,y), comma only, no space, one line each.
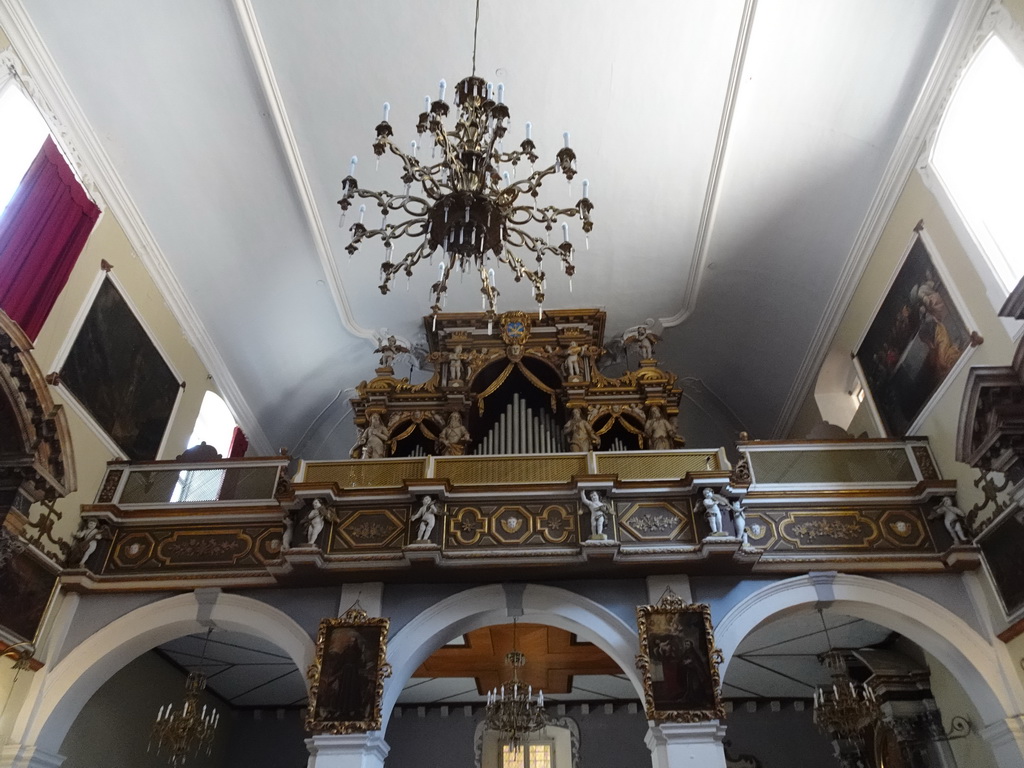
(464,200)
(512,709)
(848,707)
(189,730)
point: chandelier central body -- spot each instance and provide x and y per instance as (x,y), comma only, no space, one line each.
(465,203)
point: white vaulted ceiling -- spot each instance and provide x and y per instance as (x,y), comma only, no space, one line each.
(740,153)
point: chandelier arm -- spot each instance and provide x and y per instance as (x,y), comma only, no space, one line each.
(418,172)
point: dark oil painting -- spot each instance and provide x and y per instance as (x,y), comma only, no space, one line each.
(1003,545)
(913,343)
(115,371)
(348,674)
(681,677)
(25,587)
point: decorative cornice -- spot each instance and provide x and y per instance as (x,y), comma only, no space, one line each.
(90,159)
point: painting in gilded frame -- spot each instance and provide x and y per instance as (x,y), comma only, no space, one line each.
(679,661)
(913,343)
(347,677)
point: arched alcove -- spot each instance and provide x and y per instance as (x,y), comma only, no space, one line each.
(67,687)
(977,664)
(496,604)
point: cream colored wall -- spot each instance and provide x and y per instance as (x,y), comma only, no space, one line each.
(108,242)
(971,750)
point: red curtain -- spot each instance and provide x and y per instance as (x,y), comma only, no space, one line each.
(239,444)
(42,231)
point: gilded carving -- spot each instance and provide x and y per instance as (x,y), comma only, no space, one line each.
(679,662)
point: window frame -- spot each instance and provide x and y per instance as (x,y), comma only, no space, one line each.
(998,23)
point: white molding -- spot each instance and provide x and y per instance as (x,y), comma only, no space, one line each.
(90,154)
(955,47)
(257,48)
(709,211)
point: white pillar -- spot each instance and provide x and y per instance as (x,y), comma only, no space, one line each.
(687,745)
(353,750)
(21,756)
(1006,740)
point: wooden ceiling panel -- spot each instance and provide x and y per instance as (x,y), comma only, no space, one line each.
(553,656)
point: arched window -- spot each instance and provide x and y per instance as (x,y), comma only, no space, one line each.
(214,425)
(976,165)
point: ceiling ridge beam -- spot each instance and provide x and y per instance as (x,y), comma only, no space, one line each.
(710,209)
(956,44)
(257,49)
(84,147)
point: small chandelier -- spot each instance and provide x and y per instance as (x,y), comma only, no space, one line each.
(849,707)
(189,730)
(461,203)
(512,709)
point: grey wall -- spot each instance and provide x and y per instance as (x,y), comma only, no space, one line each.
(783,739)
(114,726)
(267,739)
(613,740)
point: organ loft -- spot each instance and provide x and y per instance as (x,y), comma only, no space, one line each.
(518,384)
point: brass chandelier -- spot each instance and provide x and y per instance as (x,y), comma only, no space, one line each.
(849,707)
(464,202)
(512,710)
(190,729)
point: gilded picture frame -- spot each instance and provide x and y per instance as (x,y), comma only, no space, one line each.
(679,662)
(346,679)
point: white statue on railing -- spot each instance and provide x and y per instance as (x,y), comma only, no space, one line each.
(739,522)
(600,511)
(713,504)
(84,542)
(427,515)
(954,518)
(315,521)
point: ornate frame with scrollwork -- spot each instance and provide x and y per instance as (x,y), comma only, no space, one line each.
(669,605)
(353,617)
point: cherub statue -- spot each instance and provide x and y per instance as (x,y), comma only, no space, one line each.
(579,433)
(456,365)
(373,440)
(289,531)
(315,520)
(453,438)
(427,515)
(84,542)
(739,522)
(644,340)
(389,351)
(573,354)
(599,513)
(713,503)
(953,518)
(660,433)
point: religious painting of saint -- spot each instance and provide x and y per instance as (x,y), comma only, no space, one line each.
(347,677)
(679,661)
(1002,543)
(917,337)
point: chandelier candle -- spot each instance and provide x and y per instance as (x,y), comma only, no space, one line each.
(466,205)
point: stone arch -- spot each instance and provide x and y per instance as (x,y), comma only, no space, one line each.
(943,634)
(496,604)
(67,687)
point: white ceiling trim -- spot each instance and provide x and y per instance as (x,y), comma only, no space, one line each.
(710,209)
(956,45)
(89,151)
(257,48)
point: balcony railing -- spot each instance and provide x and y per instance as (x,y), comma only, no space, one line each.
(173,483)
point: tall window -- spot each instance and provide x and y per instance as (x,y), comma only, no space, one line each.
(24,131)
(530,755)
(978,158)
